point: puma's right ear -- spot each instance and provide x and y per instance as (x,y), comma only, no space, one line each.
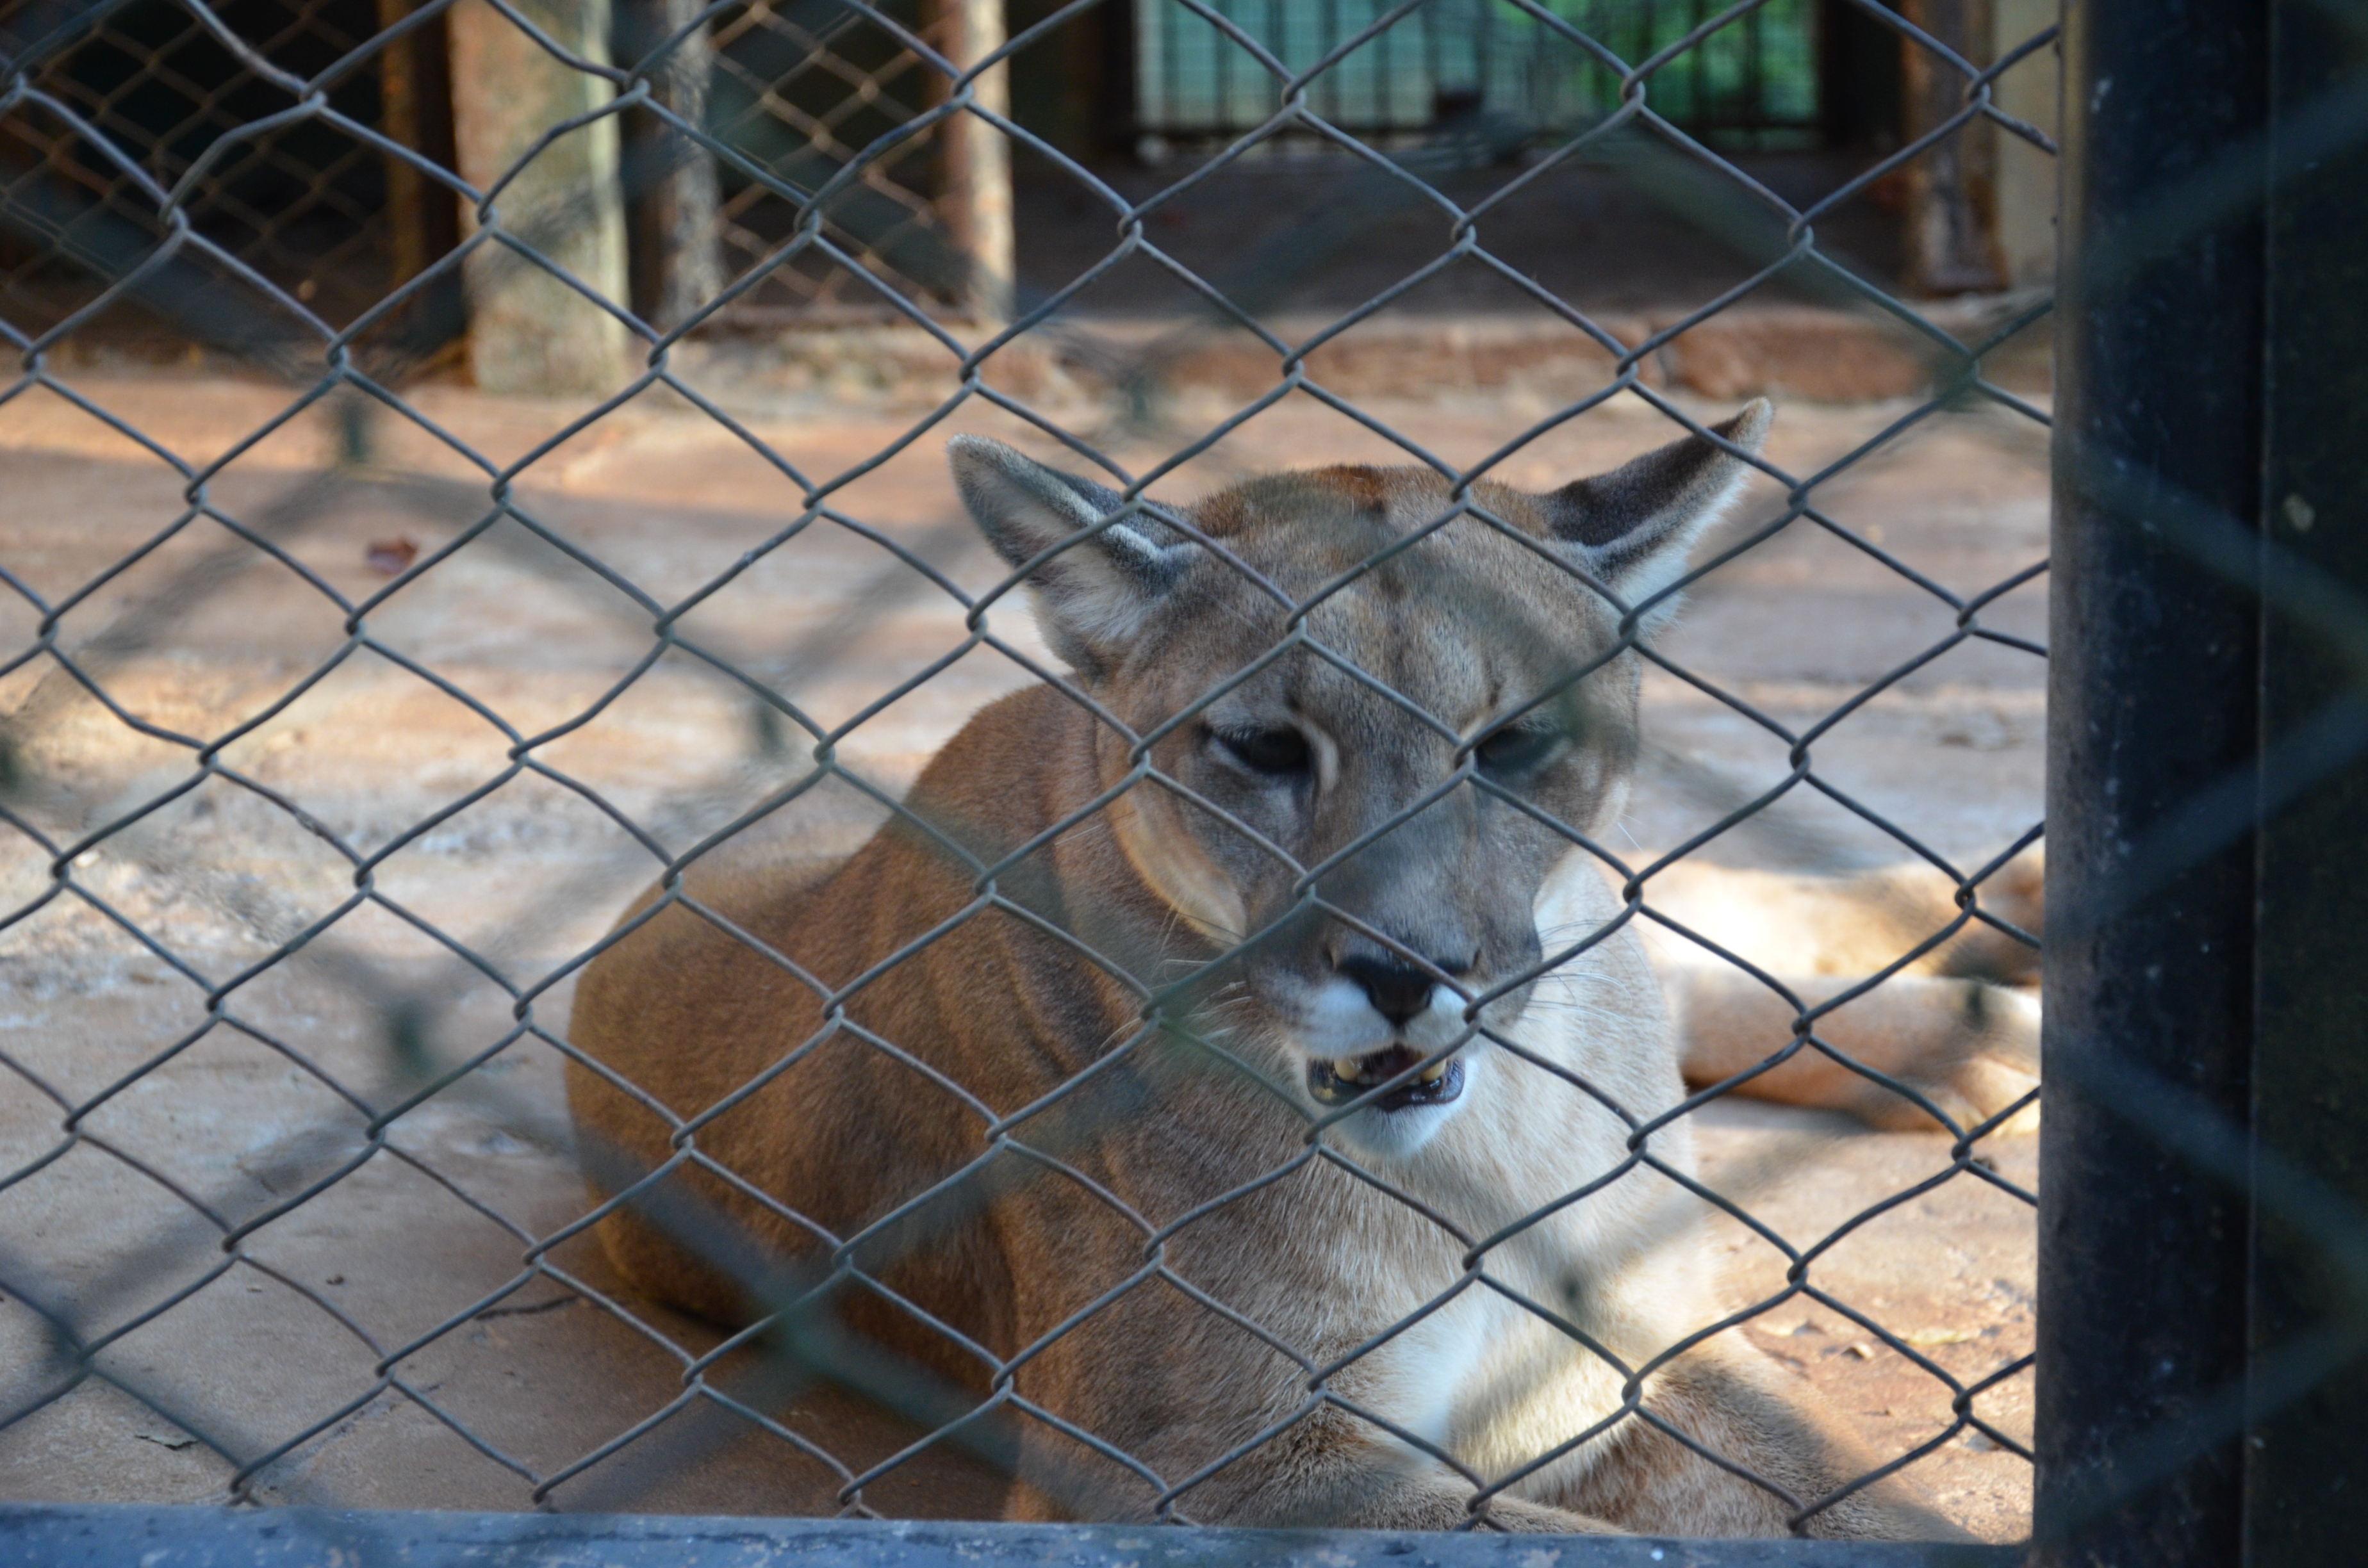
(1635,526)
(1092,596)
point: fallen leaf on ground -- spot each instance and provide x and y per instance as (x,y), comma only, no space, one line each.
(391,557)
(1938,1335)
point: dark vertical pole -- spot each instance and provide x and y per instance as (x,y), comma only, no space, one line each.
(1114,117)
(2152,702)
(673,225)
(2307,1450)
(1858,78)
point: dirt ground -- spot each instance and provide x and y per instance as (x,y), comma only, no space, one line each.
(401,748)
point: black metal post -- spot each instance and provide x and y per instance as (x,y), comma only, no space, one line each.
(2154,678)
(2306,1429)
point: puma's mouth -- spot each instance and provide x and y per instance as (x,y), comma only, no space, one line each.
(1343,1078)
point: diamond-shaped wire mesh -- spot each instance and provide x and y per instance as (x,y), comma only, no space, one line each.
(301,200)
(295,940)
(806,90)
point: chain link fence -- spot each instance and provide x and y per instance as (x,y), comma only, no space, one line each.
(810,91)
(792,95)
(301,201)
(1307,809)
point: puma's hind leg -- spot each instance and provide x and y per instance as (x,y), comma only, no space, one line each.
(1968,1046)
(1734,1404)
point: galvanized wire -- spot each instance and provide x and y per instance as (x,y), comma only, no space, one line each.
(208,217)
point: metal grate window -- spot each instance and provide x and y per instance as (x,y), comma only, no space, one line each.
(1546,69)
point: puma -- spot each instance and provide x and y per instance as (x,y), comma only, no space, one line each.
(1233,1053)
(1957,1024)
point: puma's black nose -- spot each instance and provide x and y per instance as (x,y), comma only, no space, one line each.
(1397,990)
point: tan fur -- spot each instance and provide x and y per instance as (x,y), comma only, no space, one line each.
(1959,1024)
(1076,1214)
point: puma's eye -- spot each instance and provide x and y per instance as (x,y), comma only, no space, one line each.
(1516,748)
(1278,751)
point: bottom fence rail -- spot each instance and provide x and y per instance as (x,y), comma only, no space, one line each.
(71,1536)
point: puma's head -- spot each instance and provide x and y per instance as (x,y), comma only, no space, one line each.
(1373,733)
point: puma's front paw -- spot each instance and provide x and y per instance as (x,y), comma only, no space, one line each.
(1522,1517)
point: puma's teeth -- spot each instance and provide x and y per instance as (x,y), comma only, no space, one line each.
(1412,1080)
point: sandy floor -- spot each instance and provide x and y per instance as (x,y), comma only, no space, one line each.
(276,1357)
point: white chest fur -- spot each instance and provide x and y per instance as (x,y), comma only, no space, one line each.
(1586,1259)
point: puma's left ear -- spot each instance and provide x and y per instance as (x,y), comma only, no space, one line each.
(1635,525)
(1093,596)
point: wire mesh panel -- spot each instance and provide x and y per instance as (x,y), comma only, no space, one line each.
(173,101)
(805,91)
(792,93)
(633,940)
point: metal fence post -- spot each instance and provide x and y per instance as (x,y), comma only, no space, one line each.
(2307,1421)
(2154,672)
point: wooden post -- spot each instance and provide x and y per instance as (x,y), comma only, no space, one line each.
(398,89)
(672,198)
(1951,195)
(975,205)
(1108,64)
(422,223)
(528,332)
(1858,74)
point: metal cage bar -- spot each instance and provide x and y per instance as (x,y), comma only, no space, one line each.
(319,1537)
(2199,1230)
